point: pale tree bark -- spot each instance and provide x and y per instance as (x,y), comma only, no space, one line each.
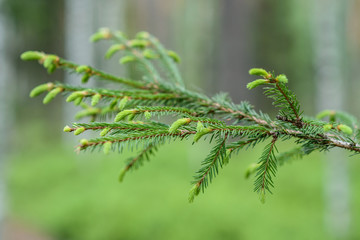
(328,39)
(6,111)
(78,28)
(83,18)
(235,48)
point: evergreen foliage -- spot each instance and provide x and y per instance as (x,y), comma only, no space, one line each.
(137,108)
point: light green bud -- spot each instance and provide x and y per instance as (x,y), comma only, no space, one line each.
(227,156)
(138,43)
(142,35)
(73,96)
(85,78)
(325,113)
(79,131)
(194,191)
(95,99)
(78,101)
(259,72)
(49,60)
(282,78)
(262,197)
(113,103)
(121,115)
(130,117)
(150,54)
(67,129)
(84,142)
(256,83)
(82,68)
(346,129)
(107,147)
(123,102)
(251,169)
(113,49)
(201,133)
(147,114)
(327,127)
(174,56)
(199,126)
(51,68)
(122,174)
(127,59)
(52,94)
(32,55)
(105,131)
(178,123)
(86,112)
(40,89)
(103,33)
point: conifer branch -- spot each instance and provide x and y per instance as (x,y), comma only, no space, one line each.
(129,113)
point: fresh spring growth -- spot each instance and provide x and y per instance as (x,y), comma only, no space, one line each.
(52,94)
(262,197)
(195,190)
(138,43)
(105,131)
(201,133)
(113,49)
(142,35)
(256,83)
(282,78)
(147,115)
(40,89)
(127,59)
(32,55)
(251,169)
(150,54)
(79,131)
(82,68)
(123,102)
(226,159)
(325,113)
(86,112)
(259,72)
(345,129)
(84,142)
(67,129)
(85,78)
(174,56)
(122,174)
(95,99)
(107,147)
(75,95)
(327,127)
(103,33)
(49,63)
(78,101)
(178,123)
(121,115)
(199,126)
(131,117)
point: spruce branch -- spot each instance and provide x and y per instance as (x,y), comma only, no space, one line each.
(266,170)
(143,114)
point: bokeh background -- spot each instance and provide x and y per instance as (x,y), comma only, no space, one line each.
(49,192)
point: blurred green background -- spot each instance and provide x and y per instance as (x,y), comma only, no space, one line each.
(49,192)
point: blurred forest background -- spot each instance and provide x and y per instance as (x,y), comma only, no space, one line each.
(49,192)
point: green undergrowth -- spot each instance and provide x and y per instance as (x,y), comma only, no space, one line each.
(79,197)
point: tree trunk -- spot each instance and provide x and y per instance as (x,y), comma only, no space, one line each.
(331,95)
(6,111)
